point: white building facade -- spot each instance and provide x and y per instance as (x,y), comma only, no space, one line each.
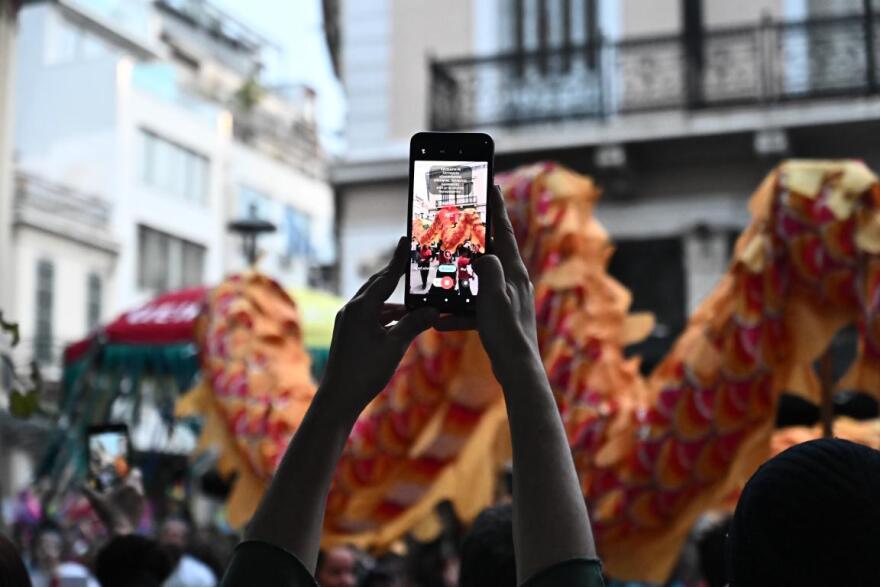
(142,107)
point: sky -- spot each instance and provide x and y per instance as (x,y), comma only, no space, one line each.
(296,26)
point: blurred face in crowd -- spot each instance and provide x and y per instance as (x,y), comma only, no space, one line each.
(48,550)
(174,533)
(338,568)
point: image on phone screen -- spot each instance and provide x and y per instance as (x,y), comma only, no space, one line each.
(448,230)
(108,458)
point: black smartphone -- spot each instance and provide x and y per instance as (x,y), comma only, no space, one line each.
(108,455)
(448,218)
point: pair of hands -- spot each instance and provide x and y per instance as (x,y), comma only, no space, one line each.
(365,351)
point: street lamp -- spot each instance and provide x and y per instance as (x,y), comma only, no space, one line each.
(250,230)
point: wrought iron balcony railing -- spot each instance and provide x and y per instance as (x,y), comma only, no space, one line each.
(765,64)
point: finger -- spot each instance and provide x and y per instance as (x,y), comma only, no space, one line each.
(491,275)
(504,240)
(391,312)
(376,275)
(455,323)
(413,324)
(386,280)
(365,285)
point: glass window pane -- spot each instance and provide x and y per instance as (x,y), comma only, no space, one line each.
(93,301)
(164,156)
(177,171)
(62,39)
(149,158)
(44,311)
(91,46)
(153,247)
(193,264)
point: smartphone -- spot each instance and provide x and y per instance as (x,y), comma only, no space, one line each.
(448,220)
(108,455)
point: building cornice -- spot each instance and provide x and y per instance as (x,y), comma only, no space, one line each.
(391,163)
(47,223)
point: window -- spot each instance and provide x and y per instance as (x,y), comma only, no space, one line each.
(67,42)
(93,301)
(166,262)
(297,233)
(254,204)
(294,226)
(537,24)
(44,311)
(173,169)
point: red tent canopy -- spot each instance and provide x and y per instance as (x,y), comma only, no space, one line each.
(167,319)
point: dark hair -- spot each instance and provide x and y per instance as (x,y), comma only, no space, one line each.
(387,571)
(809,516)
(712,546)
(12,570)
(487,557)
(133,561)
(45,527)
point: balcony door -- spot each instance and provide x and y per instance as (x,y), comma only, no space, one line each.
(549,67)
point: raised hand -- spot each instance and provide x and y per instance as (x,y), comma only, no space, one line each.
(505,306)
(120,507)
(365,351)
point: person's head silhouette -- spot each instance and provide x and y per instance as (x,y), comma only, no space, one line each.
(12,570)
(810,516)
(487,557)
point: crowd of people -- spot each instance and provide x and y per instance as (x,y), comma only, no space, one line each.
(454,269)
(176,557)
(809,516)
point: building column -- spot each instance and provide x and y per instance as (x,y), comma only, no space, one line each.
(8,9)
(705,261)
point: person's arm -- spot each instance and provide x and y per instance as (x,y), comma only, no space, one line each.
(550,523)
(363,355)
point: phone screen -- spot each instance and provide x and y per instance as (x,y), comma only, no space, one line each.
(108,456)
(448,231)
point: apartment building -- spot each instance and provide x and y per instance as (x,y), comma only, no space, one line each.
(677,107)
(153,118)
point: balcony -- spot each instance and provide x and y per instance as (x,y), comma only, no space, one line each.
(68,213)
(767,64)
(163,81)
(291,140)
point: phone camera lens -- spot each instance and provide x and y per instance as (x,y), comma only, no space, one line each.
(424,151)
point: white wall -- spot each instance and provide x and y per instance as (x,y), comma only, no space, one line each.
(671,215)
(284,186)
(365,64)
(47,94)
(373,218)
(73,262)
(136,203)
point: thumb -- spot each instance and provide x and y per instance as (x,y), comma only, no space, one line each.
(491,274)
(412,324)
